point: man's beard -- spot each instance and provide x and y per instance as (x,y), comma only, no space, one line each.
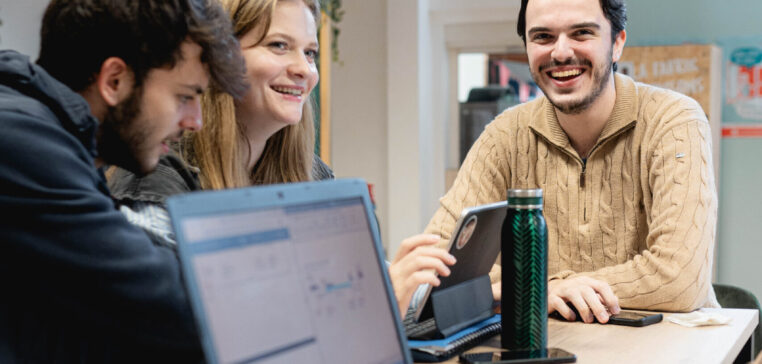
(578,106)
(120,140)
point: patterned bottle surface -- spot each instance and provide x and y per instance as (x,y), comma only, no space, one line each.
(524,277)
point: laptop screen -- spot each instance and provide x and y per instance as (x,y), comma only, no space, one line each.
(298,283)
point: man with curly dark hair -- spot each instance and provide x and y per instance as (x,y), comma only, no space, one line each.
(115,83)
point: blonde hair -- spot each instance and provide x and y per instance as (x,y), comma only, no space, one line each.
(219,149)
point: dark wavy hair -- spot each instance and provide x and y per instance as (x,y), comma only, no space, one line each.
(614,10)
(77,36)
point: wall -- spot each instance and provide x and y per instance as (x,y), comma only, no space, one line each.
(655,22)
(21,25)
(412,159)
(658,22)
(358,101)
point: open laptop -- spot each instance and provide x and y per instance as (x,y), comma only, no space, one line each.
(288,273)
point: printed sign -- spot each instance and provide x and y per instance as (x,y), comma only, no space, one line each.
(684,68)
(742,94)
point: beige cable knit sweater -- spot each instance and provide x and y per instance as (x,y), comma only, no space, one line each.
(640,214)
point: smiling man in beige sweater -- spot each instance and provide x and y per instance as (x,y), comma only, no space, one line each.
(626,170)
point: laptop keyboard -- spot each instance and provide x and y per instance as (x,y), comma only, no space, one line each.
(423,330)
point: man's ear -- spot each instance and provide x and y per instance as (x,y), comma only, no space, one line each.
(619,41)
(114,81)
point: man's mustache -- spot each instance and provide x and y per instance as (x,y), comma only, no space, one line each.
(571,62)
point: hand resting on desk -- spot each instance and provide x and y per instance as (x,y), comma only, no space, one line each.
(593,298)
(417,262)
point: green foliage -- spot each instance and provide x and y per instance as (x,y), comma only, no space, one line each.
(332,8)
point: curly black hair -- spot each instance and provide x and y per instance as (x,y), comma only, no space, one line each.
(614,10)
(77,36)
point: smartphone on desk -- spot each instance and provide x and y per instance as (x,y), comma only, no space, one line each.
(550,355)
(624,318)
(636,319)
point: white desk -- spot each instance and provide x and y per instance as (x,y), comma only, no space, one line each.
(664,342)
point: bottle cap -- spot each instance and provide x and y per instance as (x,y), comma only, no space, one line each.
(525,198)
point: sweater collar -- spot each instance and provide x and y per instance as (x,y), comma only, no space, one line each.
(544,121)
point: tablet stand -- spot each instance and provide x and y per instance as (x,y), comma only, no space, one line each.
(461,305)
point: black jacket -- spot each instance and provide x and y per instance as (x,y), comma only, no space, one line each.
(79,282)
(173,176)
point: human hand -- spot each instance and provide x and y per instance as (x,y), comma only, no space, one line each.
(497,290)
(591,297)
(417,262)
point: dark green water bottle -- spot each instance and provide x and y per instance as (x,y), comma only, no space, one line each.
(524,259)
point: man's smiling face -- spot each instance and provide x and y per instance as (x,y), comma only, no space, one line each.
(570,51)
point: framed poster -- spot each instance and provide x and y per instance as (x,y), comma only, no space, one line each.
(690,69)
(742,92)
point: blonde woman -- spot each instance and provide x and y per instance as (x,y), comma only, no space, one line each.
(265,137)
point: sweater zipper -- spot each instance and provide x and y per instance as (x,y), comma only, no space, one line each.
(589,155)
(582,175)
(595,147)
(571,155)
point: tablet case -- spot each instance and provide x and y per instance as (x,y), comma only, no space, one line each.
(465,296)
(439,350)
(461,305)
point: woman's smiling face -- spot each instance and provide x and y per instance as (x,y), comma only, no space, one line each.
(281,68)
